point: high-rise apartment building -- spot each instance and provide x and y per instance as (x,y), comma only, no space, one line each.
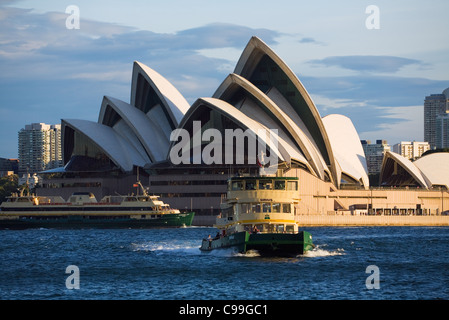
(39,148)
(442,131)
(411,150)
(374,154)
(434,106)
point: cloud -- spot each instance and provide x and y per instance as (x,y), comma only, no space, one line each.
(407,125)
(49,72)
(382,91)
(382,64)
(222,35)
(380,107)
(309,40)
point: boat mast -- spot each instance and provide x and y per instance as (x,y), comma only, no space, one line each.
(144,191)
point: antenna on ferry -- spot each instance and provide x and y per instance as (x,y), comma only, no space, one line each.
(139,184)
(261,163)
(138,180)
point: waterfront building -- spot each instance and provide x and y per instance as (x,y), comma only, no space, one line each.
(145,137)
(434,106)
(411,149)
(39,148)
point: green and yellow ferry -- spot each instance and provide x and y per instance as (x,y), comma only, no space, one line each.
(259,214)
(82,210)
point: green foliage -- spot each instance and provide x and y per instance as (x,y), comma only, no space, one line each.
(8,185)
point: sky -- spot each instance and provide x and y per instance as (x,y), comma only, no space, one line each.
(372,61)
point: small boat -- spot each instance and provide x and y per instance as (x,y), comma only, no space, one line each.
(259,214)
(82,210)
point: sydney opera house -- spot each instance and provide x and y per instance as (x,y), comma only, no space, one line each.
(135,139)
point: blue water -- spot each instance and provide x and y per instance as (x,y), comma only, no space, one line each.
(166,264)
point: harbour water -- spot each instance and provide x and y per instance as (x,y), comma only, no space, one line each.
(409,263)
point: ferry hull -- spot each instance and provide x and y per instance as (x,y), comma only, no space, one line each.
(267,244)
(97,222)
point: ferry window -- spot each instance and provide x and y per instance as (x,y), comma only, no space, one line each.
(237,185)
(292,185)
(250,185)
(280,228)
(286,208)
(244,208)
(290,229)
(256,207)
(279,185)
(266,207)
(276,207)
(267,185)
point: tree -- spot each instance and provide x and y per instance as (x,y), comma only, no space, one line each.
(8,185)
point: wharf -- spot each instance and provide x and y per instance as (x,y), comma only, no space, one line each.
(371,220)
(352,220)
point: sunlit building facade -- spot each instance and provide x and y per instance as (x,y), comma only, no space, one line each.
(39,148)
(435,105)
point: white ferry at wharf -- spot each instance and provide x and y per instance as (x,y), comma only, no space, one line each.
(259,214)
(82,210)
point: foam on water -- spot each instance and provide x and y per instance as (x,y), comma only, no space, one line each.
(161,247)
(320,252)
(248,254)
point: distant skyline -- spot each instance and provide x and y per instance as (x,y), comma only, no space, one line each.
(379,78)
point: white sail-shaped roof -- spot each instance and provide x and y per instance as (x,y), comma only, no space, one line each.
(239,118)
(123,154)
(270,115)
(147,130)
(174,104)
(435,168)
(407,165)
(263,93)
(347,147)
(263,67)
